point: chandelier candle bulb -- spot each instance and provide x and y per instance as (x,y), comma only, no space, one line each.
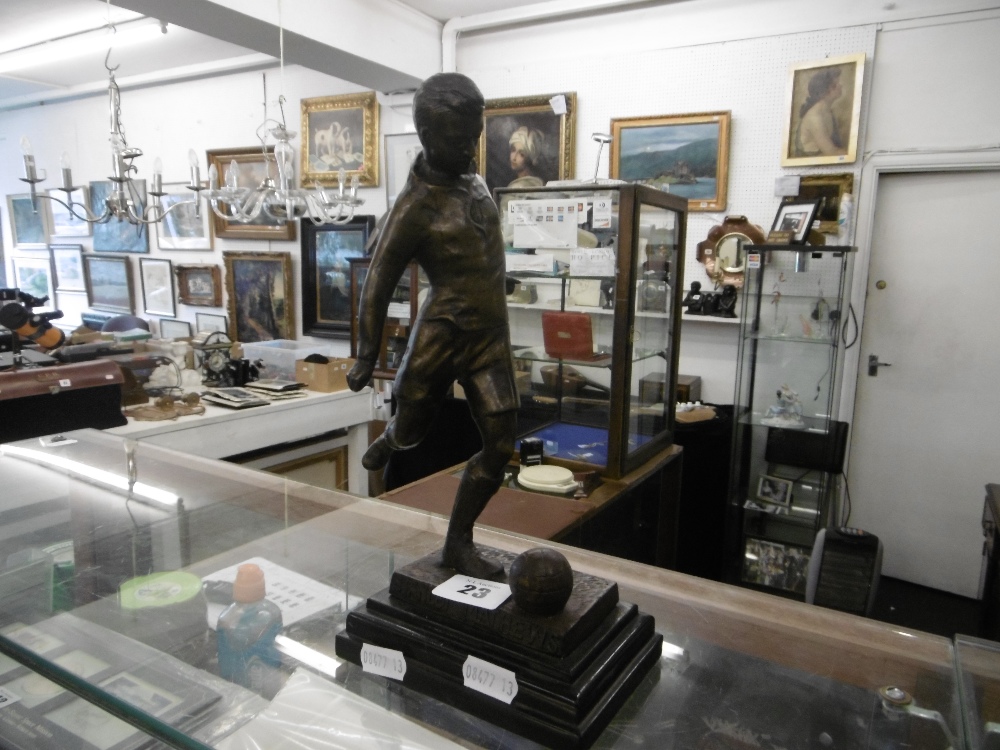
(67,172)
(30,175)
(195,171)
(157,188)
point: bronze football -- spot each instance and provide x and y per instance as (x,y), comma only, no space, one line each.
(541,581)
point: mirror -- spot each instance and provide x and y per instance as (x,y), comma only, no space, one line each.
(721,252)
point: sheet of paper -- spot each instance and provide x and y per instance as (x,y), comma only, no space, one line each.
(536,263)
(297,596)
(543,223)
(592,261)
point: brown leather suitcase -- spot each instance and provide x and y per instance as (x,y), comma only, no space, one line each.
(46,400)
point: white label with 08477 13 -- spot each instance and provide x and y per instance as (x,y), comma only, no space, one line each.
(385,662)
(489,679)
(474,591)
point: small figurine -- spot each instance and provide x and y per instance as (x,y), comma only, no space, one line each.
(787,413)
(727,301)
(694,299)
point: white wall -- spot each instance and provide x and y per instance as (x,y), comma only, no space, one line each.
(165,121)
(929,83)
(746,76)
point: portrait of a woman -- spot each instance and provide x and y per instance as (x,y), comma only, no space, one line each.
(526,146)
(824,111)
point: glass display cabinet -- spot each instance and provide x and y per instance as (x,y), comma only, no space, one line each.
(594,319)
(788,448)
(118,558)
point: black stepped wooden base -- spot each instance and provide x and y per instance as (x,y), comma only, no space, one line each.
(569,686)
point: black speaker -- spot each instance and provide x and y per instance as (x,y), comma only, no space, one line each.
(824,451)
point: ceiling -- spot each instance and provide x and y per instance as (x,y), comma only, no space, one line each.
(24,23)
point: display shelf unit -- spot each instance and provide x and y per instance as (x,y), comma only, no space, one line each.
(76,662)
(594,317)
(788,447)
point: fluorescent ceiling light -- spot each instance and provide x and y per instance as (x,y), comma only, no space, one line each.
(77,45)
(98,476)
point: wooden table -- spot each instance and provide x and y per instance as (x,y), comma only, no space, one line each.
(654,489)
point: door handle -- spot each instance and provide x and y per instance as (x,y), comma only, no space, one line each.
(874,364)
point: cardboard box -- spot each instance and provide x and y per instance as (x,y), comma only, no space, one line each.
(325,378)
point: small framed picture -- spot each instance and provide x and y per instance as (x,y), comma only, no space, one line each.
(157,286)
(829,189)
(199,285)
(67,261)
(34,276)
(793,221)
(182,228)
(29,223)
(64,223)
(340,132)
(401,151)
(174,329)
(109,283)
(207,322)
(774,490)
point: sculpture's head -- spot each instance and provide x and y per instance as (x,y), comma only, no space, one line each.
(448,112)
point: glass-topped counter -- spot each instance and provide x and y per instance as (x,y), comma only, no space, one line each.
(116,562)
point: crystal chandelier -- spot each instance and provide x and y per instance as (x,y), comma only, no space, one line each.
(280,199)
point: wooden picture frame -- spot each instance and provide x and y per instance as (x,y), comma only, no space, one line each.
(67,266)
(823,111)
(209,322)
(64,223)
(109,283)
(253,165)
(29,223)
(340,132)
(545,141)
(183,228)
(685,155)
(118,236)
(401,151)
(199,285)
(326,254)
(157,277)
(771,489)
(793,221)
(259,291)
(33,275)
(830,190)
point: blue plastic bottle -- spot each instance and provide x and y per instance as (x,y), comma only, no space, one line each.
(246,632)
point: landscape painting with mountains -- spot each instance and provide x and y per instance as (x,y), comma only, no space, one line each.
(682,159)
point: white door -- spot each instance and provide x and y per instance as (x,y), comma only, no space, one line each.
(926,437)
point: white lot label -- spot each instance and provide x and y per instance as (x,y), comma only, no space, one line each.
(474,591)
(7,697)
(489,679)
(385,662)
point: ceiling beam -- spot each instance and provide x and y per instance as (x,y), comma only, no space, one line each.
(378,44)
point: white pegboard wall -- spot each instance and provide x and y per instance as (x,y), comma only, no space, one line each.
(748,77)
